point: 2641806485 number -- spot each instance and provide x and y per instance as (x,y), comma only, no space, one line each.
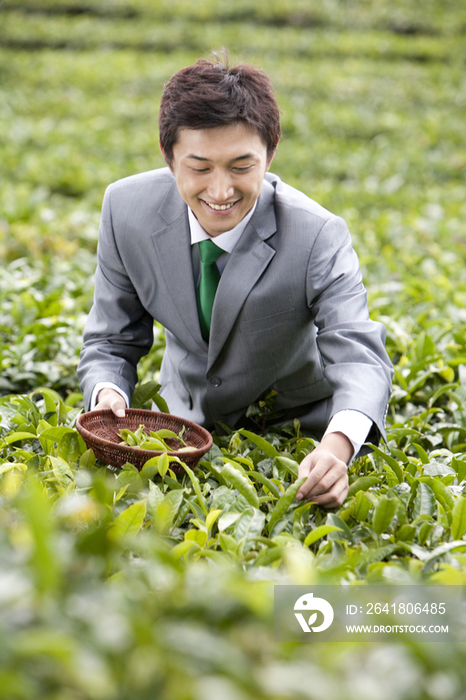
(405,608)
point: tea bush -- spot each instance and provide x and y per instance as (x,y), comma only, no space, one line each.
(119,584)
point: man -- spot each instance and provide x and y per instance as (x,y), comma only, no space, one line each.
(277,304)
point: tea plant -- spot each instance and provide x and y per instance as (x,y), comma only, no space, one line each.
(126,583)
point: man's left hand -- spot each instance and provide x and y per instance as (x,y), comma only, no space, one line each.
(326,471)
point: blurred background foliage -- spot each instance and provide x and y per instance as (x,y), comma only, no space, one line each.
(373,97)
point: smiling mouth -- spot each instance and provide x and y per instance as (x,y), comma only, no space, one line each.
(219,207)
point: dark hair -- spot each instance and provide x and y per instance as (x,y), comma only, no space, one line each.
(210,94)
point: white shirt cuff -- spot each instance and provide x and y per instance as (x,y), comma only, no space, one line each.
(353,424)
(106,385)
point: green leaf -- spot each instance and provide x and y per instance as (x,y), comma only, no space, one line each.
(62,473)
(182,548)
(442,517)
(376,554)
(160,403)
(319,532)
(249,525)
(241,462)
(434,468)
(269,556)
(284,503)
(215,470)
(458,522)
(334,519)
(70,447)
(46,555)
(163,464)
(235,463)
(54,435)
(261,443)
(211,518)
(440,551)
(424,502)
(144,393)
(155,496)
(390,461)
(227,520)
(460,467)
(228,543)
(273,488)
(424,530)
(241,483)
(51,398)
(150,469)
(406,533)
(128,523)
(363,484)
(361,506)
(8,466)
(399,433)
(392,479)
(289,464)
(197,488)
(443,389)
(87,460)
(197,536)
(441,491)
(384,513)
(16,437)
(167,510)
(424,457)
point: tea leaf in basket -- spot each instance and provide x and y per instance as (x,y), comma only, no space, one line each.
(164,433)
(156,440)
(154,444)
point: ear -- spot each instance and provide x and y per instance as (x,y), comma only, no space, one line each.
(272,155)
(168,162)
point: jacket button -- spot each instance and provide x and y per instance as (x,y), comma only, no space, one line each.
(215,381)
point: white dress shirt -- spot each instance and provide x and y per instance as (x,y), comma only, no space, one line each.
(353,424)
(226,241)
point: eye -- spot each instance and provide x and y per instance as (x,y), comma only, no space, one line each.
(200,170)
(242,169)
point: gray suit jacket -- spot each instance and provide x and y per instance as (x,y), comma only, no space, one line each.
(290,312)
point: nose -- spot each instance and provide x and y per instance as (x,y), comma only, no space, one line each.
(220,187)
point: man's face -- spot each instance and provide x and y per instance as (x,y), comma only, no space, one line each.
(219,173)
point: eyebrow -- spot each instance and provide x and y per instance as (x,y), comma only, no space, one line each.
(245,157)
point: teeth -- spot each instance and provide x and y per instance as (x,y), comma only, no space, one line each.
(220,207)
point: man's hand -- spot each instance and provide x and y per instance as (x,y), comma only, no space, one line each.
(109,398)
(326,471)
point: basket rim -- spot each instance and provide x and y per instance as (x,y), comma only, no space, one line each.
(131,450)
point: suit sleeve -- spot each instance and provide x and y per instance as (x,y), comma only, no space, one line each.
(118,331)
(351,345)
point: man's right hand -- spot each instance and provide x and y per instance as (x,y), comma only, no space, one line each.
(109,398)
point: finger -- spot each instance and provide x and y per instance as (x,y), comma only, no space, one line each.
(335,497)
(325,471)
(328,479)
(118,407)
(114,402)
(315,465)
(324,485)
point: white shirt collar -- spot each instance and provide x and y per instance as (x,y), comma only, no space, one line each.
(227,240)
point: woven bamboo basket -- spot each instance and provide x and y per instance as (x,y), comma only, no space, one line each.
(100,432)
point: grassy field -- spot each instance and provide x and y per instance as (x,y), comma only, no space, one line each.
(124,585)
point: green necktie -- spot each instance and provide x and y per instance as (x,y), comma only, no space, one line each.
(208,283)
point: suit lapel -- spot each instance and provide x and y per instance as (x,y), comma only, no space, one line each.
(249,259)
(172,245)
(247,263)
